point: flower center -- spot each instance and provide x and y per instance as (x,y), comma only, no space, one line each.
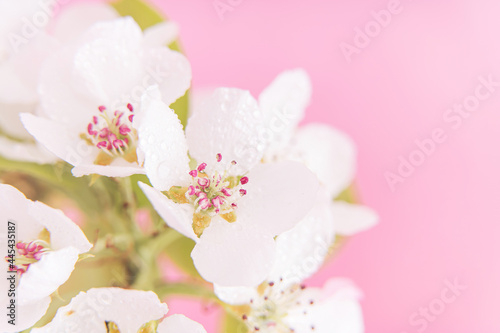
(113,134)
(210,195)
(29,253)
(266,313)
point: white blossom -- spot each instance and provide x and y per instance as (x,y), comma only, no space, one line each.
(48,245)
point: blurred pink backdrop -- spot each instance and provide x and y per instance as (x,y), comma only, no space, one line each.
(442,222)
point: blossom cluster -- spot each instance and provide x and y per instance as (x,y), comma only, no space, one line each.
(259,196)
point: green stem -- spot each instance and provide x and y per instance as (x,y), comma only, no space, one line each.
(148,252)
(186,289)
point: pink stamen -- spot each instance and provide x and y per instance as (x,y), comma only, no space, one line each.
(191,190)
(217,201)
(131,118)
(213,193)
(113,132)
(205,203)
(124,130)
(102,144)
(204,182)
(104,132)
(118,143)
(90,129)
(30,250)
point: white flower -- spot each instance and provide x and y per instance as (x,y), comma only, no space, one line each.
(90,90)
(275,308)
(329,153)
(23,47)
(48,245)
(326,151)
(231,205)
(103,310)
(283,303)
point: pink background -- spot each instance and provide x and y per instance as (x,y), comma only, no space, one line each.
(443,221)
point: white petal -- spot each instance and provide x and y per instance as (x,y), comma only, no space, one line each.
(12,22)
(301,251)
(229,123)
(26,152)
(63,231)
(58,139)
(278,196)
(119,168)
(179,324)
(10,123)
(335,309)
(177,216)
(107,62)
(329,153)
(161,34)
(198,97)
(235,295)
(12,88)
(88,312)
(351,219)
(14,208)
(162,141)
(45,276)
(233,254)
(168,69)
(58,98)
(77,18)
(283,103)
(19,74)
(26,315)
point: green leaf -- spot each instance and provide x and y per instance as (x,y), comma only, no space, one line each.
(142,13)
(348,195)
(146,17)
